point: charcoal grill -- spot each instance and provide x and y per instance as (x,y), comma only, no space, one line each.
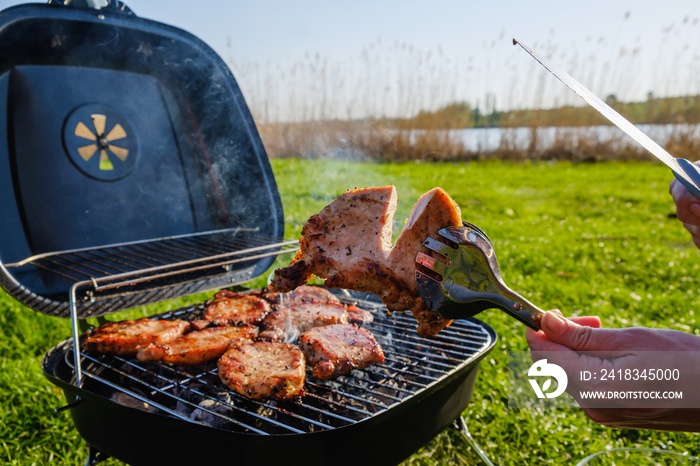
(379,415)
(131,172)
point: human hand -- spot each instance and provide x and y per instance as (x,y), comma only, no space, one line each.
(579,344)
(687,209)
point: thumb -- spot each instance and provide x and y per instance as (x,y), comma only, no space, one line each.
(572,335)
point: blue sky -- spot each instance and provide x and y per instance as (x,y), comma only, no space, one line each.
(434,52)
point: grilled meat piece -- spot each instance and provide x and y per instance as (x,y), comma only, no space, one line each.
(197,347)
(264,370)
(316,294)
(336,350)
(312,294)
(126,337)
(347,237)
(287,322)
(231,308)
(302,294)
(359,316)
(348,243)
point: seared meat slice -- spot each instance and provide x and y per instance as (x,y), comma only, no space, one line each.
(287,322)
(336,350)
(349,244)
(274,323)
(126,337)
(344,241)
(302,294)
(359,316)
(312,294)
(231,308)
(197,347)
(432,212)
(264,370)
(318,294)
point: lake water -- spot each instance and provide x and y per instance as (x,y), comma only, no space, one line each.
(490,139)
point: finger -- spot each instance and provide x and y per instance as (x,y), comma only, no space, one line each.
(587,321)
(574,336)
(694,230)
(688,209)
(673,186)
(677,190)
(538,341)
(694,233)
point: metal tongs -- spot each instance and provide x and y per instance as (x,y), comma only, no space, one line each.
(470,281)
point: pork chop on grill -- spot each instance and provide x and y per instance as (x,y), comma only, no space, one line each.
(231,308)
(302,294)
(359,316)
(264,370)
(318,294)
(197,347)
(312,294)
(349,244)
(336,350)
(124,338)
(288,321)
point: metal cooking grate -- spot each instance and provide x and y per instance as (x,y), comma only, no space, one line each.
(412,364)
(102,280)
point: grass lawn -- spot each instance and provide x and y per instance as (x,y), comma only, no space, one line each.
(587,239)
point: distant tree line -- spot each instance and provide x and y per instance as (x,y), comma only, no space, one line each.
(666,110)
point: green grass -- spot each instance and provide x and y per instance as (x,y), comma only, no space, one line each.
(587,239)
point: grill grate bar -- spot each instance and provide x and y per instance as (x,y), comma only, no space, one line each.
(320,399)
(232,406)
(60,269)
(366,385)
(327,413)
(404,370)
(176,255)
(254,414)
(139,382)
(272,421)
(205,263)
(291,414)
(349,386)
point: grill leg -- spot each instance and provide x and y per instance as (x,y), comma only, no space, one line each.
(95,456)
(461,425)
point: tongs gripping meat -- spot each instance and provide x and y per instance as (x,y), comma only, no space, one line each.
(469,281)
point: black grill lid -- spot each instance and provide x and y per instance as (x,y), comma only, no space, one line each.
(117,130)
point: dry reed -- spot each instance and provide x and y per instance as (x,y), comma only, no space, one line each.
(398,103)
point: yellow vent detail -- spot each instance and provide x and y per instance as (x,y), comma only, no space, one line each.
(101,142)
(105,163)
